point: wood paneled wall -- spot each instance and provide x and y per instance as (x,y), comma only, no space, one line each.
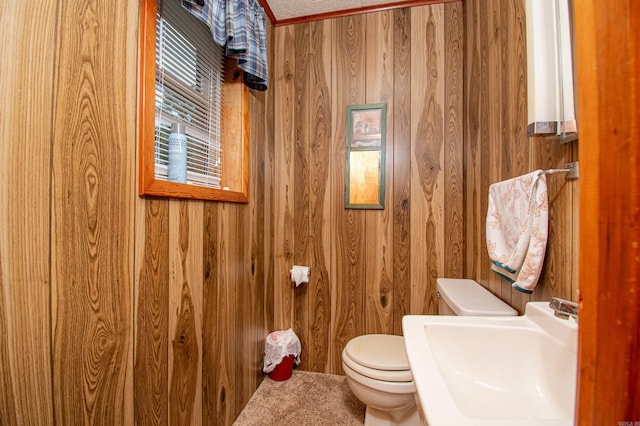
(116,309)
(497,148)
(446,146)
(26,124)
(368,268)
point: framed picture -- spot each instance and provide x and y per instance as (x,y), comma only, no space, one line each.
(366,154)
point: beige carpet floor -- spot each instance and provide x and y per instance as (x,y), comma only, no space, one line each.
(305,399)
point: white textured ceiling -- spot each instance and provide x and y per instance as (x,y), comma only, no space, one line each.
(284,10)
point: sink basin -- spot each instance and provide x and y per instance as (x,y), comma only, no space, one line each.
(494,370)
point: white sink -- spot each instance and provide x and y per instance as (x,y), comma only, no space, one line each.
(494,370)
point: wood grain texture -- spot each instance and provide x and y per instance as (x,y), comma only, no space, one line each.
(284,207)
(211,353)
(185,311)
(516,62)
(608,46)
(473,141)
(401,193)
(27,84)
(557,273)
(234,111)
(379,74)
(151,379)
(440,184)
(496,96)
(497,149)
(69,357)
(347,257)
(453,137)
(486,162)
(301,184)
(94,261)
(245,320)
(92,212)
(267,130)
(427,155)
(361,278)
(228,300)
(320,196)
(254,265)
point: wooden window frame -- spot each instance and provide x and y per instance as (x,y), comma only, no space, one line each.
(235,126)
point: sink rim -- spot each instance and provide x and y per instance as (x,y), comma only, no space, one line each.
(433,392)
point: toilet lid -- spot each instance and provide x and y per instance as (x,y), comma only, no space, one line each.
(378,351)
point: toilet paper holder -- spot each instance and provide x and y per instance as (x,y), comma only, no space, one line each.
(300,274)
(291,270)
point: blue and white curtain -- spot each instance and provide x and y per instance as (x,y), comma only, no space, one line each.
(240,26)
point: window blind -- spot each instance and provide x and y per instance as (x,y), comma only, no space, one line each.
(189,78)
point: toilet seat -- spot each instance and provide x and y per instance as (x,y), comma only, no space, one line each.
(389,386)
(379,357)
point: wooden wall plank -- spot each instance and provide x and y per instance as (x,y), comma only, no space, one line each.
(401,193)
(254,216)
(151,379)
(320,196)
(27,84)
(93,212)
(301,184)
(453,171)
(494,121)
(211,353)
(267,131)
(486,277)
(227,301)
(185,312)
(427,156)
(284,200)
(347,258)
(243,339)
(379,74)
(473,141)
(516,64)
(515,108)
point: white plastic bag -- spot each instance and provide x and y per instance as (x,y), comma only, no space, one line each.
(278,345)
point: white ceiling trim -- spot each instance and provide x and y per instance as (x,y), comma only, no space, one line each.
(283,12)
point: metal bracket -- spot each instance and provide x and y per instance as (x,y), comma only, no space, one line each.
(574,170)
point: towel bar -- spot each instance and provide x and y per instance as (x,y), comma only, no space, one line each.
(571,169)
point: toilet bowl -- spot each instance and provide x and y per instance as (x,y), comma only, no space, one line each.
(377,371)
(376,365)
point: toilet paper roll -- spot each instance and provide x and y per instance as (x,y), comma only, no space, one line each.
(300,274)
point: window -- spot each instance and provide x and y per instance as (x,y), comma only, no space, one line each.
(189,76)
(185,79)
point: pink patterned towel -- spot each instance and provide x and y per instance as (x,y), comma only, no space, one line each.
(517,229)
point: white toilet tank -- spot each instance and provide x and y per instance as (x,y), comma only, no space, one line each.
(468,298)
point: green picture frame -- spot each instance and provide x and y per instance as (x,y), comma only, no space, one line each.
(365,156)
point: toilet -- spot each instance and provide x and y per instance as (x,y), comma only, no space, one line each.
(376,365)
